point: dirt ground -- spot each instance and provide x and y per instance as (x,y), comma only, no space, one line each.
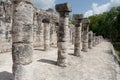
(96,64)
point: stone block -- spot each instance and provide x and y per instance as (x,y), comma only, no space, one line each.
(22,53)
(65,7)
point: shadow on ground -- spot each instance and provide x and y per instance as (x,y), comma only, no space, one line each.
(6,76)
(47,61)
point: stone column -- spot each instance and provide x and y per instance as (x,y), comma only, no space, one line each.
(85,35)
(22,36)
(78,27)
(2,27)
(94,39)
(41,34)
(90,41)
(70,25)
(52,30)
(46,22)
(35,25)
(73,35)
(63,10)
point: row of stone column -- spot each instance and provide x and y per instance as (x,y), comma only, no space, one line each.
(84,38)
(40,22)
(22,36)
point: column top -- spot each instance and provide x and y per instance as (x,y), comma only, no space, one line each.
(64,7)
(78,16)
(85,21)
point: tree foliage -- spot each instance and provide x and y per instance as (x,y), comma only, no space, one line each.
(107,24)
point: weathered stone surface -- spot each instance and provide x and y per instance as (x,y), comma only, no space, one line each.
(8,6)
(77,48)
(62,54)
(65,7)
(22,53)
(21,11)
(22,33)
(22,72)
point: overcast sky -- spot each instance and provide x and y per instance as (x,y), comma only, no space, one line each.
(86,7)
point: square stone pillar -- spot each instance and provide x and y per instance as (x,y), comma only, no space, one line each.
(63,32)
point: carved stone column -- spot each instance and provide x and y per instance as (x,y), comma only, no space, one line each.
(63,10)
(85,35)
(46,22)
(2,27)
(78,26)
(22,36)
(94,39)
(35,25)
(90,41)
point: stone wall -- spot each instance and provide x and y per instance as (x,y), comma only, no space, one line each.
(38,26)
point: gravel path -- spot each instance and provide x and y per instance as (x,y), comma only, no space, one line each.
(96,64)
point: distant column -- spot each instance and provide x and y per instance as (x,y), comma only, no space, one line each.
(22,36)
(90,41)
(94,39)
(46,22)
(85,35)
(63,10)
(78,26)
